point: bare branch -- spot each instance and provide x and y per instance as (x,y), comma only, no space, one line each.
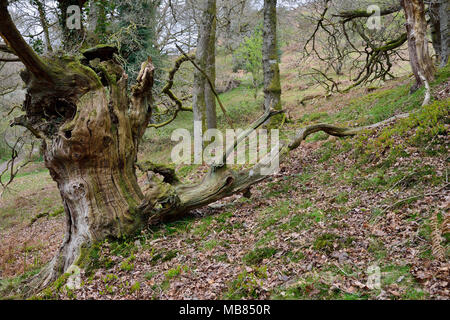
(13,39)
(354,14)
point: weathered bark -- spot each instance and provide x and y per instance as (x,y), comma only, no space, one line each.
(271,70)
(91,151)
(444,11)
(210,69)
(204,103)
(416,27)
(435,28)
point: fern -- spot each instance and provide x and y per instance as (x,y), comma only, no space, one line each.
(436,239)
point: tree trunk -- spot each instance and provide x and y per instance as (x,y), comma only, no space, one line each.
(91,127)
(271,70)
(210,69)
(91,138)
(204,103)
(435,27)
(44,25)
(416,28)
(444,11)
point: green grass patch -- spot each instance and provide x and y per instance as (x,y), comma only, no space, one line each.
(256,256)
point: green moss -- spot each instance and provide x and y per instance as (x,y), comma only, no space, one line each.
(57,212)
(169,255)
(313,287)
(108,74)
(52,291)
(135,287)
(124,247)
(325,242)
(246,285)
(274,85)
(257,255)
(110,278)
(210,244)
(9,286)
(91,258)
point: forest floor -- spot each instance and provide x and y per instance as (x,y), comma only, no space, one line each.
(356,218)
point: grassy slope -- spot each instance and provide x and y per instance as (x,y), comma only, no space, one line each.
(311,232)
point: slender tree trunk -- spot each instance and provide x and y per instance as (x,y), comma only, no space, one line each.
(416,28)
(210,69)
(435,27)
(444,11)
(271,70)
(44,24)
(96,28)
(204,104)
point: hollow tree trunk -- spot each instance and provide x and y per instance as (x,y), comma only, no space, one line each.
(79,107)
(91,133)
(416,28)
(92,160)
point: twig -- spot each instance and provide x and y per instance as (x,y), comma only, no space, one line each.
(401,180)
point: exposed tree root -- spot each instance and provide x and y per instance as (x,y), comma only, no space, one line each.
(427,97)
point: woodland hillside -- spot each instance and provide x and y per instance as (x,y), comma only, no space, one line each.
(93,207)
